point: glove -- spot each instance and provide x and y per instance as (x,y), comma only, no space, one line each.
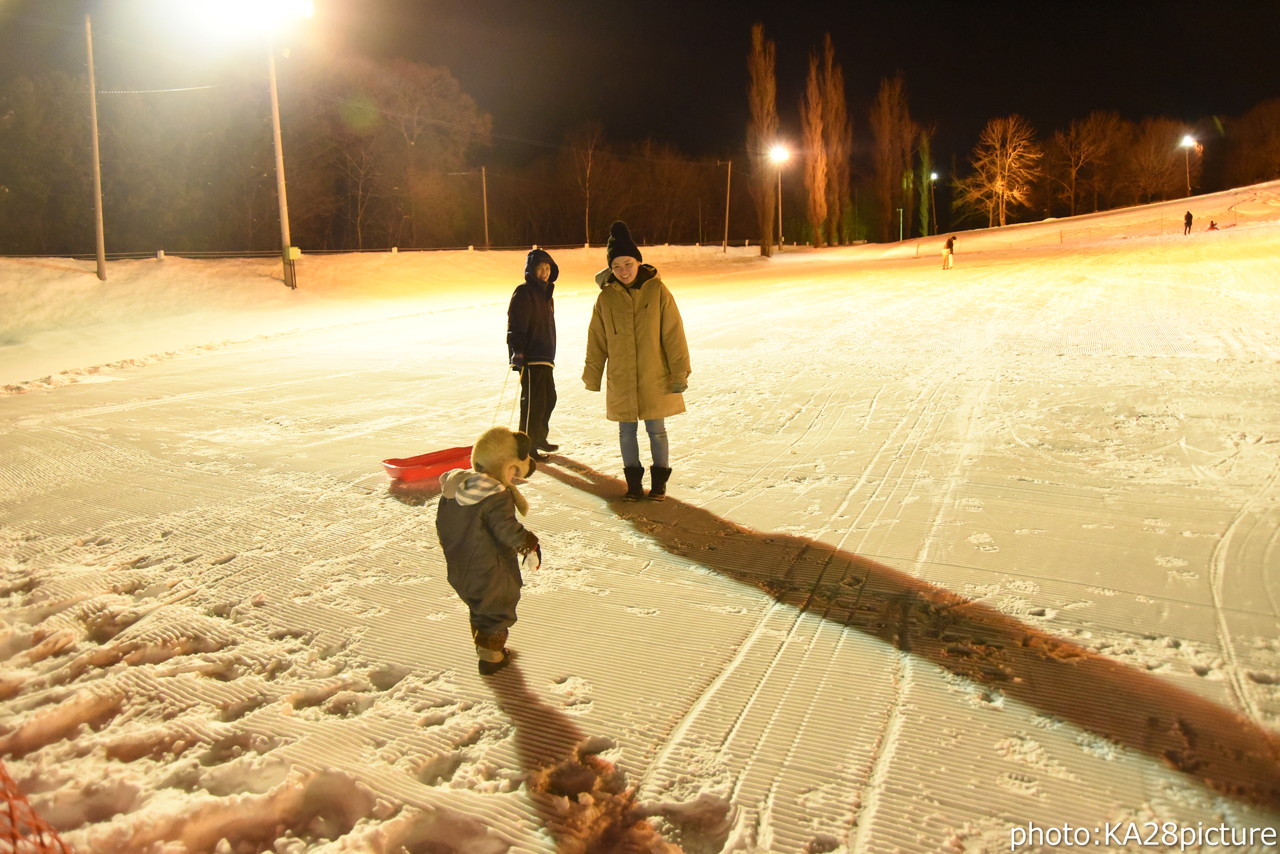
(678,387)
(517,362)
(530,543)
(533,560)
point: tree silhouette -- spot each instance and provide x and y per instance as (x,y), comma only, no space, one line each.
(762,131)
(894,139)
(1005,168)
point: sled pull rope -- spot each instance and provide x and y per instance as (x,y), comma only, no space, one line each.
(515,400)
(501,397)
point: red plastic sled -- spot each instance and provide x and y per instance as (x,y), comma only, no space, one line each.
(428,467)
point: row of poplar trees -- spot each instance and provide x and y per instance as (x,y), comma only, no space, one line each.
(385,154)
(827,150)
(1101,161)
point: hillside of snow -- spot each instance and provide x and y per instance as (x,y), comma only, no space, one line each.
(951,558)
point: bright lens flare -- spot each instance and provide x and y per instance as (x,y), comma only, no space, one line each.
(239,17)
(779,154)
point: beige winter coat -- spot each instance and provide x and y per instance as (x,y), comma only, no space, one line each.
(638,334)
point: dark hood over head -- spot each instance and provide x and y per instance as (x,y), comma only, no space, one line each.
(536,257)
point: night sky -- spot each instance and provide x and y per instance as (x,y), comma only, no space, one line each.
(676,71)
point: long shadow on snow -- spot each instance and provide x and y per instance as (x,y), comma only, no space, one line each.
(563,765)
(1194,735)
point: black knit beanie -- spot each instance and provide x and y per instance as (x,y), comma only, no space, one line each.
(620,243)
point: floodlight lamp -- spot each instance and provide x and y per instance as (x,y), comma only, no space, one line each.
(1188,141)
(779,154)
(227,17)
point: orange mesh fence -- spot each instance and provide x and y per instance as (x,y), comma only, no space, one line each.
(22,831)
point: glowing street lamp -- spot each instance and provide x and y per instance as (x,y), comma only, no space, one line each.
(779,154)
(1188,143)
(265,18)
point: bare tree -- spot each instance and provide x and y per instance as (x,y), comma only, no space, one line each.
(1081,153)
(812,114)
(673,209)
(1254,145)
(894,135)
(925,183)
(588,149)
(1005,164)
(1103,181)
(837,129)
(762,132)
(358,166)
(1156,166)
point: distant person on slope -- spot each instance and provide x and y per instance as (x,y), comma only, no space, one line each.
(636,330)
(1186,223)
(948,252)
(531,347)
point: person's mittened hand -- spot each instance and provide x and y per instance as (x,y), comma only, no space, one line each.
(679,387)
(517,362)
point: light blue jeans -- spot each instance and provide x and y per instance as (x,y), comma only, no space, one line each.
(659,449)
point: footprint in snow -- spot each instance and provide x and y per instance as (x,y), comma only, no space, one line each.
(983,542)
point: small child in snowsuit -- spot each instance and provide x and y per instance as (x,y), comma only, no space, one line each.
(481,537)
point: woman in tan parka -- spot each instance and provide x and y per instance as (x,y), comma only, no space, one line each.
(636,332)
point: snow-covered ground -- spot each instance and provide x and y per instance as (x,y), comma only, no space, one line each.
(954,561)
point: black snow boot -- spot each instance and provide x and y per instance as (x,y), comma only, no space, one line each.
(635,483)
(659,477)
(488,668)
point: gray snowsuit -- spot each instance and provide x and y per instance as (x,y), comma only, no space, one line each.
(478,530)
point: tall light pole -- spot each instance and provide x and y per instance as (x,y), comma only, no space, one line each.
(779,155)
(933,205)
(484,198)
(899,225)
(484,192)
(288,254)
(1188,142)
(97,166)
(728,182)
(234,18)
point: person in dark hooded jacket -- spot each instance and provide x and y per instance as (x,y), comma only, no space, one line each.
(531,347)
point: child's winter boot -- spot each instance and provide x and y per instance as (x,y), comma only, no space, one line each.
(492,651)
(635,483)
(659,476)
(489,667)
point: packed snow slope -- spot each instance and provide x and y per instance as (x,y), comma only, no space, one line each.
(950,558)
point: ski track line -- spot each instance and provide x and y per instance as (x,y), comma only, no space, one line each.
(918,415)
(185,397)
(924,408)
(904,681)
(884,753)
(680,732)
(767,744)
(1218,567)
(789,765)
